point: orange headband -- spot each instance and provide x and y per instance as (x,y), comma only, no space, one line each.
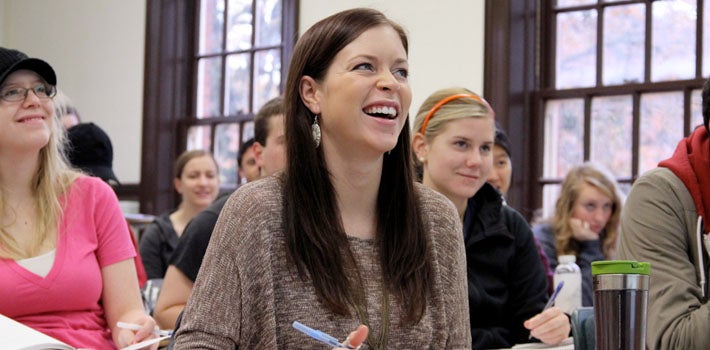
(447,100)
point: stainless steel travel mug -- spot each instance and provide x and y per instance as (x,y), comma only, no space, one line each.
(620,304)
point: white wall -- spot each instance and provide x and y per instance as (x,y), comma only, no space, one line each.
(97,50)
(446,39)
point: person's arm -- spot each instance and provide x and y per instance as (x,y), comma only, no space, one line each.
(450,255)
(528,284)
(120,296)
(544,235)
(150,247)
(655,229)
(173,296)
(122,302)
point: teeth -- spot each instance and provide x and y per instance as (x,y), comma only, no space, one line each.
(382,110)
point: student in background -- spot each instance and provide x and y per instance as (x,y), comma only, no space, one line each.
(502,172)
(65,110)
(90,150)
(344,237)
(248,167)
(64,246)
(666,217)
(187,257)
(507,289)
(197,182)
(585,223)
(500,177)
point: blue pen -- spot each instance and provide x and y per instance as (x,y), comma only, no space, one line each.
(552,299)
(319,335)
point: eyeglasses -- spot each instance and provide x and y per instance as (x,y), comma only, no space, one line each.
(16,94)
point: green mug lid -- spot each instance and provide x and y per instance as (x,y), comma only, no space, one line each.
(627,267)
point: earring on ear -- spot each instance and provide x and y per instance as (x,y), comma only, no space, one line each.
(421,159)
(315,129)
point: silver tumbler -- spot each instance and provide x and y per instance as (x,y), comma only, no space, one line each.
(620,304)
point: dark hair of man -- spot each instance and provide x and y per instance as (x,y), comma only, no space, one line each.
(318,244)
(273,107)
(243,149)
(706,105)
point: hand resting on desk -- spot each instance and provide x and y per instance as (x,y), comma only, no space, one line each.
(550,326)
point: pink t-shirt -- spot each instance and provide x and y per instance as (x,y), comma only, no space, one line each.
(66,303)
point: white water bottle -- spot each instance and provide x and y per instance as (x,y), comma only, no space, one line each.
(570,296)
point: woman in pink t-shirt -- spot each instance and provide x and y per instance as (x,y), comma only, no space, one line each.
(66,258)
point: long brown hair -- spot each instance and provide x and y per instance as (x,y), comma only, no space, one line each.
(317,241)
(596,176)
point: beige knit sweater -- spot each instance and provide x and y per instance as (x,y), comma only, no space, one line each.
(247,297)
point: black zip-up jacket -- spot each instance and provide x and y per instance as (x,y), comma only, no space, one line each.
(506,281)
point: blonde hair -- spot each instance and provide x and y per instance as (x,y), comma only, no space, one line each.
(598,177)
(461,108)
(53,178)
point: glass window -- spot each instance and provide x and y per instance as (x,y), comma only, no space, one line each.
(624,37)
(239,68)
(564,143)
(239,24)
(610,136)
(211,23)
(226,149)
(622,103)
(576,49)
(268,24)
(198,137)
(671,58)
(661,127)
(569,3)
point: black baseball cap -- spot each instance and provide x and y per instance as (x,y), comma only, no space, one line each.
(13,60)
(90,150)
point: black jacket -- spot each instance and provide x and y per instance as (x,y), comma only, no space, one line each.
(506,281)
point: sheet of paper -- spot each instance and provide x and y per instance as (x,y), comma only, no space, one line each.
(145,343)
(567,344)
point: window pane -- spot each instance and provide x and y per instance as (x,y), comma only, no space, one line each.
(569,3)
(611,127)
(661,127)
(564,136)
(673,36)
(198,137)
(696,109)
(239,25)
(247,131)
(267,68)
(209,73)
(576,49)
(268,23)
(226,148)
(549,198)
(211,23)
(624,35)
(706,39)
(236,92)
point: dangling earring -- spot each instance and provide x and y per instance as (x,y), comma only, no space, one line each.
(315,129)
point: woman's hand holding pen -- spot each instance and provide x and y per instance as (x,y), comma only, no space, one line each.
(550,326)
(146,330)
(355,338)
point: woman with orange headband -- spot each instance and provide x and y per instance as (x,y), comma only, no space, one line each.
(507,286)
